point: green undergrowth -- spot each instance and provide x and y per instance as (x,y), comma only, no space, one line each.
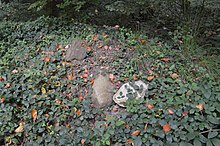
(37,107)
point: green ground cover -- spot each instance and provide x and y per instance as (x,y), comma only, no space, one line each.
(181,107)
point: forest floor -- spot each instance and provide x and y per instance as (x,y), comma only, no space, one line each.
(45,100)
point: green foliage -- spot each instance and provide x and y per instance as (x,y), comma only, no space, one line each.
(27,83)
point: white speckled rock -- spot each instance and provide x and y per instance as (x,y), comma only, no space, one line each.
(121,96)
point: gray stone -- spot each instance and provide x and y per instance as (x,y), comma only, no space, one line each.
(136,90)
(102,92)
(75,51)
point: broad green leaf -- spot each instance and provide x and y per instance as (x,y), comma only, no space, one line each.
(209,143)
(190,136)
(196,142)
(119,123)
(212,134)
(216,141)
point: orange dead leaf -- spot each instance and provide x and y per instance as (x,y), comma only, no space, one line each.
(67,124)
(136,132)
(184,113)
(81,98)
(38,50)
(46,115)
(200,106)
(150,71)
(92,81)
(100,46)
(58,102)
(174,76)
(166,128)
(34,114)
(143,41)
(125,78)
(165,59)
(78,112)
(82,141)
(106,47)
(170,111)
(93,37)
(89,48)
(211,57)
(2,99)
(2,79)
(69,77)
(150,78)
(84,75)
(135,77)
(8,85)
(111,77)
(82,44)
(47,59)
(129,141)
(149,106)
(20,128)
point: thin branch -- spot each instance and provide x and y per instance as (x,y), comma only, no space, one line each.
(209,131)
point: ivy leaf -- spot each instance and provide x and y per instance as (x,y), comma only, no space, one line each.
(119,123)
(137,142)
(190,136)
(207,93)
(212,134)
(209,143)
(215,141)
(196,142)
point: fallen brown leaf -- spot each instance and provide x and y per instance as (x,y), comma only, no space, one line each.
(78,112)
(70,77)
(2,99)
(81,98)
(166,128)
(47,59)
(106,47)
(82,141)
(135,77)
(34,114)
(165,59)
(200,106)
(150,71)
(20,128)
(111,77)
(184,113)
(170,111)
(150,78)
(136,132)
(174,76)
